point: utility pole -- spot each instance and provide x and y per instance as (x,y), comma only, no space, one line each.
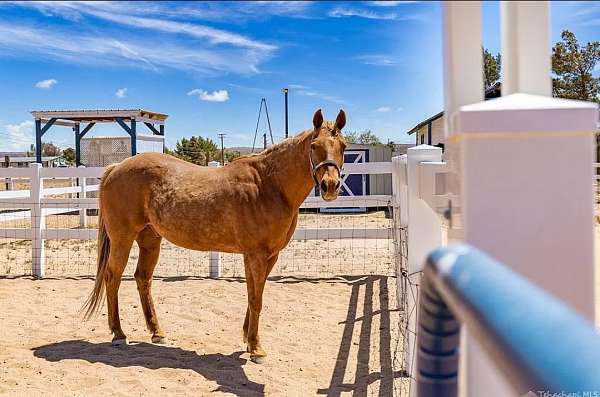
(222,136)
(285,93)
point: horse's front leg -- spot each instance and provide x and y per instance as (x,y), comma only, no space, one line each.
(257,269)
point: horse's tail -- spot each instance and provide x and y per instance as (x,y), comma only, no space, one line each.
(93,303)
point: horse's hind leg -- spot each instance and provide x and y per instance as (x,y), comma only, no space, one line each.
(117,260)
(149,243)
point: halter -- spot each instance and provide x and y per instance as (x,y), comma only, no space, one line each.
(323,163)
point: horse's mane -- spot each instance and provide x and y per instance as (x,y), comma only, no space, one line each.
(292,141)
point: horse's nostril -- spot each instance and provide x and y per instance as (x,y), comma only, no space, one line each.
(323,186)
(337,185)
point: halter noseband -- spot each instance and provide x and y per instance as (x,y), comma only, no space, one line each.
(323,163)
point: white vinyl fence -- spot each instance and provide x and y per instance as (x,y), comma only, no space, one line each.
(35,205)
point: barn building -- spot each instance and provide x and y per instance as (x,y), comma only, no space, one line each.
(431,130)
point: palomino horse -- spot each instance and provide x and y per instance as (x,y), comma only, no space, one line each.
(249,207)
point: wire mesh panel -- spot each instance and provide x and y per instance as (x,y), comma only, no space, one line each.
(323,257)
(103,151)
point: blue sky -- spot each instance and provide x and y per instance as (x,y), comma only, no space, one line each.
(208,65)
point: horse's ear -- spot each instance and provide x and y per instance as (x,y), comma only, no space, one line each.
(340,121)
(318,119)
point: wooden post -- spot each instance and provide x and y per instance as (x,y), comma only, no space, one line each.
(82,194)
(38,222)
(424,235)
(38,141)
(7,180)
(214,259)
(133,137)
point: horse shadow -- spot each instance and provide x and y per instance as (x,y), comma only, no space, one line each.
(226,370)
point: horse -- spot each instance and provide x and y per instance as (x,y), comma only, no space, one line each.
(250,207)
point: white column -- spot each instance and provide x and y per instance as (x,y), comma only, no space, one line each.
(82,194)
(38,222)
(214,258)
(527,191)
(463,64)
(424,235)
(400,189)
(525,28)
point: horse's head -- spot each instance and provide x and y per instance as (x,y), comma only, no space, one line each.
(327,154)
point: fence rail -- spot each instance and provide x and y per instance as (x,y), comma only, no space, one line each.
(538,342)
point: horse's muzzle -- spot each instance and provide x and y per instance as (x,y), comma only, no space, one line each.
(330,187)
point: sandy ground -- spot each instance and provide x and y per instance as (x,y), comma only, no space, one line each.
(329,337)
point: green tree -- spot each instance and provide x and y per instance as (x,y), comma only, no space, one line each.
(351,136)
(572,66)
(48,149)
(197,150)
(231,155)
(364,138)
(69,155)
(368,138)
(491,68)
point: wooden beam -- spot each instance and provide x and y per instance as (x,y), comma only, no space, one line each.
(49,124)
(123,125)
(86,129)
(151,128)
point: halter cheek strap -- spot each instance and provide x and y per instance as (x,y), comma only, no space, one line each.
(323,163)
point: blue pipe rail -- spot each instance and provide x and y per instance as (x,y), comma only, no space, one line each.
(537,342)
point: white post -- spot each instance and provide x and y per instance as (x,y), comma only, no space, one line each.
(424,235)
(82,194)
(527,193)
(463,64)
(38,221)
(525,28)
(214,259)
(400,190)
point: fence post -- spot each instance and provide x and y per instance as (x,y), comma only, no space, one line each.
(424,235)
(214,258)
(38,221)
(526,62)
(82,194)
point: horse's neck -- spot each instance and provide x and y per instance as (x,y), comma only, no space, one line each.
(289,169)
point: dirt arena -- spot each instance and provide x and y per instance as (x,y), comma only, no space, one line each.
(325,335)
(328,337)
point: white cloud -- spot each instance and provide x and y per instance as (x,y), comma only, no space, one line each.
(378,60)
(124,14)
(18,136)
(97,49)
(121,93)
(344,11)
(46,84)
(215,96)
(383,109)
(325,97)
(389,3)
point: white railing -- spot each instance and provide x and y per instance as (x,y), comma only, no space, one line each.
(34,204)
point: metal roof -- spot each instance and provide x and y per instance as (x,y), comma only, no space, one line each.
(100,115)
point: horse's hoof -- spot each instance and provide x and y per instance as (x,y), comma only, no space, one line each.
(159,340)
(119,342)
(258,359)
